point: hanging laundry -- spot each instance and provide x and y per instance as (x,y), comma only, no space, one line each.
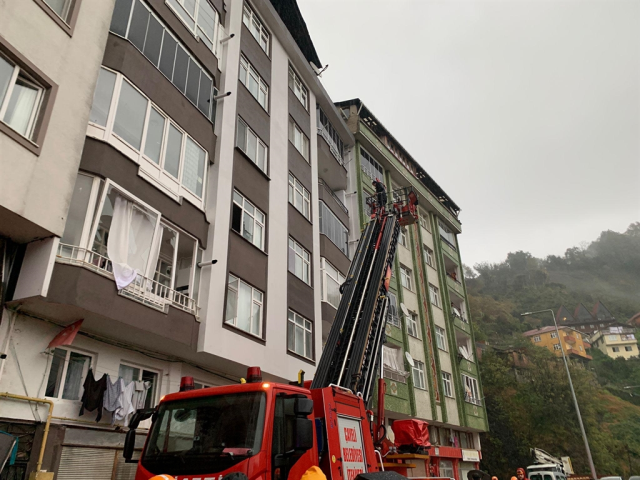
(140,395)
(126,404)
(112,396)
(93,394)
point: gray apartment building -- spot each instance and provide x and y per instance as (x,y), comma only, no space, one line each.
(140,141)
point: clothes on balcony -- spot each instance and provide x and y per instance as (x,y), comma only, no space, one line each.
(140,394)
(93,395)
(126,407)
(112,397)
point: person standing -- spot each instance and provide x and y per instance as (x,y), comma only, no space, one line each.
(521,474)
(381,192)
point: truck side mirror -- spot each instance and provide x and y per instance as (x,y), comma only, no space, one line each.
(129,444)
(303,435)
(303,407)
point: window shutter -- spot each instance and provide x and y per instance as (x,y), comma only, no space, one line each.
(75,462)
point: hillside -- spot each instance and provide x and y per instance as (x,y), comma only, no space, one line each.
(534,407)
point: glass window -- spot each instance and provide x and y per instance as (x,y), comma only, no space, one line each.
(392,310)
(329,133)
(138,374)
(138,26)
(472,391)
(244,306)
(412,324)
(299,139)
(153,42)
(248,220)
(255,26)
(554,334)
(428,256)
(333,228)
(253,81)
(76,218)
(299,261)
(441,338)
(393,364)
(418,375)
(102,97)
(168,55)
(424,220)
(448,384)
(155,135)
(299,335)
(130,115)
(67,374)
(61,7)
(298,88)
(403,237)
(447,235)
(405,277)
(250,143)
(446,467)
(299,197)
(370,167)
(193,174)
(120,18)
(331,281)
(434,295)
(174,148)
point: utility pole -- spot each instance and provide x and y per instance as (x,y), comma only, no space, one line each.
(573,393)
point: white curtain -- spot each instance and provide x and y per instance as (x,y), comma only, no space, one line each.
(129,243)
(21,107)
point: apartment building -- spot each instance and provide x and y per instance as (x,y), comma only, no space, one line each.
(430,365)
(616,341)
(575,344)
(178,186)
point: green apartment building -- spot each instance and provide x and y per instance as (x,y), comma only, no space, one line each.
(429,358)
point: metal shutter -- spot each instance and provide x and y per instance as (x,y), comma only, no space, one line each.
(125,471)
(77,462)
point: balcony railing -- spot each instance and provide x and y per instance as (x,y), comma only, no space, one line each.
(447,242)
(335,151)
(471,399)
(333,195)
(143,290)
(454,276)
(458,315)
(393,319)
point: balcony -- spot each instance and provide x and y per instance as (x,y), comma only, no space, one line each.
(331,167)
(454,284)
(570,339)
(143,290)
(471,399)
(332,194)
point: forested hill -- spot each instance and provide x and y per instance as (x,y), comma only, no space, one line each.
(534,408)
(607,270)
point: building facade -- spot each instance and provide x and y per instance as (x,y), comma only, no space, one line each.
(430,365)
(617,341)
(168,136)
(584,320)
(574,342)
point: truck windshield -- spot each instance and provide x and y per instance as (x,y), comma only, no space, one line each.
(205,435)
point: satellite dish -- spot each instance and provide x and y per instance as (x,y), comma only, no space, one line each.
(404,309)
(409,359)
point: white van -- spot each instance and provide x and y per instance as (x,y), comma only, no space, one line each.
(546,471)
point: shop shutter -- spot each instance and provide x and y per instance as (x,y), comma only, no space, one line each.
(76,462)
(125,471)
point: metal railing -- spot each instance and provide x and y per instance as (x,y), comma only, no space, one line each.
(143,290)
(333,195)
(332,146)
(471,399)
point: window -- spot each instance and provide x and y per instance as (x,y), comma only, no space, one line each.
(251,145)
(446,467)
(434,295)
(325,128)
(253,81)
(299,139)
(199,385)
(167,155)
(592,326)
(299,261)
(602,324)
(299,197)
(428,256)
(580,347)
(554,334)
(248,220)
(536,338)
(298,88)
(626,349)
(130,373)
(67,374)
(447,235)
(244,306)
(423,218)
(403,237)
(255,26)
(331,281)
(412,324)
(612,338)
(393,364)
(20,99)
(616,349)
(472,391)
(333,228)
(405,277)
(134,21)
(582,327)
(418,375)
(200,17)
(441,338)
(300,335)
(175,265)
(556,346)
(392,310)
(370,167)
(448,384)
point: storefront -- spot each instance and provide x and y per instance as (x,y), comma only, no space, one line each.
(452,462)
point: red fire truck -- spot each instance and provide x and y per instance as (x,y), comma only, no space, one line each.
(273,431)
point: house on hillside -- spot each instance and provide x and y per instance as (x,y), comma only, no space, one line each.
(587,322)
(574,342)
(616,341)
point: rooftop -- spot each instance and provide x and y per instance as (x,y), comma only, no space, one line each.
(292,18)
(548,329)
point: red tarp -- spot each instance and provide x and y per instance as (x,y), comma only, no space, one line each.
(411,432)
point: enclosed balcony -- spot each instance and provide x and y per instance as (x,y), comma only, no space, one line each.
(331,164)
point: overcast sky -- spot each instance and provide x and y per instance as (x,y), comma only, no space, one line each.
(527,113)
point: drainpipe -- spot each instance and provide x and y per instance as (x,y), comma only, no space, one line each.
(46,425)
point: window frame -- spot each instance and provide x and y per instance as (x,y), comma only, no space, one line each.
(66,23)
(323,210)
(244,149)
(255,220)
(441,338)
(392,315)
(405,277)
(263,32)
(373,162)
(250,70)
(434,293)
(556,346)
(428,256)
(474,387)
(296,132)
(306,262)
(413,322)
(419,369)
(296,187)
(403,237)
(63,374)
(306,331)
(196,28)
(423,220)
(155,387)
(295,81)
(536,338)
(154,173)
(447,381)
(324,274)
(253,302)
(554,334)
